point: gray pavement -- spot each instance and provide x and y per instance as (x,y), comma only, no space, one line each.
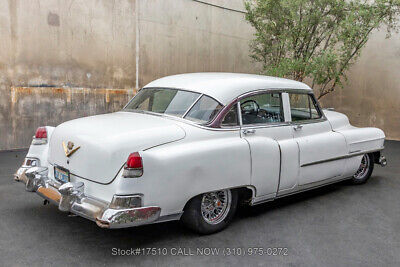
(338,225)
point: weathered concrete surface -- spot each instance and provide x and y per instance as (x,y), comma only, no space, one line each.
(84,43)
(339,225)
(103,44)
(192,37)
(371,97)
(31,107)
(77,43)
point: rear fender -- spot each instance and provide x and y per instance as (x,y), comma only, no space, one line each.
(40,152)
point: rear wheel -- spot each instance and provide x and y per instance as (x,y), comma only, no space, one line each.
(210,212)
(365,170)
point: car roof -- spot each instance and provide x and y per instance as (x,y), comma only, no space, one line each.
(225,87)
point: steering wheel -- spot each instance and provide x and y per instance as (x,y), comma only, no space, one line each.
(250,107)
(264,114)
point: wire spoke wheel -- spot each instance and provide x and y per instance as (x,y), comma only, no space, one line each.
(215,206)
(363,169)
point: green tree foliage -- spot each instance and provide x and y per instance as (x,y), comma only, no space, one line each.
(315,40)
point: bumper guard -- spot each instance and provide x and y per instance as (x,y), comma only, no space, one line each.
(70,197)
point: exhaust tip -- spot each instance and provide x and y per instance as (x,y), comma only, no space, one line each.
(382,161)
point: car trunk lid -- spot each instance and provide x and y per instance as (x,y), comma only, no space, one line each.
(105,142)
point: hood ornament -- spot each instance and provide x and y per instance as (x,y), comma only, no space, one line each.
(69,148)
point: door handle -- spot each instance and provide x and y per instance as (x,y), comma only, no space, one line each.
(249,131)
(298,127)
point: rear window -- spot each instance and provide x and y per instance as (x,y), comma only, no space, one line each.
(165,101)
(180,103)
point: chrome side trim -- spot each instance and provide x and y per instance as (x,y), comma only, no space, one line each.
(329,181)
(286,107)
(270,125)
(364,141)
(214,124)
(341,157)
(239,114)
(262,199)
(307,187)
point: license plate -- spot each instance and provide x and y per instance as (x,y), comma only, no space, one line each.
(61,174)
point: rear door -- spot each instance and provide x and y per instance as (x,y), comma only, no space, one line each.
(319,146)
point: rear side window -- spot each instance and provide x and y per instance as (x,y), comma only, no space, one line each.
(303,107)
(204,110)
(231,117)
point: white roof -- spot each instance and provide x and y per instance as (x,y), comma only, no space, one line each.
(224,87)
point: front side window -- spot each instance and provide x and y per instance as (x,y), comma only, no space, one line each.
(165,101)
(303,107)
(262,108)
(204,110)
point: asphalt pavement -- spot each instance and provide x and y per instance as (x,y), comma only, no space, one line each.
(338,225)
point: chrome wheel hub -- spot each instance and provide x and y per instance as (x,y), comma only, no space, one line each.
(363,169)
(215,206)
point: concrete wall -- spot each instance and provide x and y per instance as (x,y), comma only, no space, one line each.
(60,59)
(85,43)
(371,97)
(64,59)
(192,37)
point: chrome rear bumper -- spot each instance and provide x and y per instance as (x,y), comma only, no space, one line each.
(70,197)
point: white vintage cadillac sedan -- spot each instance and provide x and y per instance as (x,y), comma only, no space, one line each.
(192,146)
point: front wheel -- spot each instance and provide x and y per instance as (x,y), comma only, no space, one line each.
(210,212)
(365,170)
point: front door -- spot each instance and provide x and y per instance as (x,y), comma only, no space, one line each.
(271,143)
(318,144)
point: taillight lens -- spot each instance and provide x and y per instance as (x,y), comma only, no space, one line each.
(134,161)
(40,136)
(133,167)
(41,132)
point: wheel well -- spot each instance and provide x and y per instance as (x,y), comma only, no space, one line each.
(245,194)
(376,155)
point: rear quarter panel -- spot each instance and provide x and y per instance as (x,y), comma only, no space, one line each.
(41,151)
(358,139)
(204,161)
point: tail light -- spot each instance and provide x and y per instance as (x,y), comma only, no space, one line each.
(40,137)
(133,167)
(31,162)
